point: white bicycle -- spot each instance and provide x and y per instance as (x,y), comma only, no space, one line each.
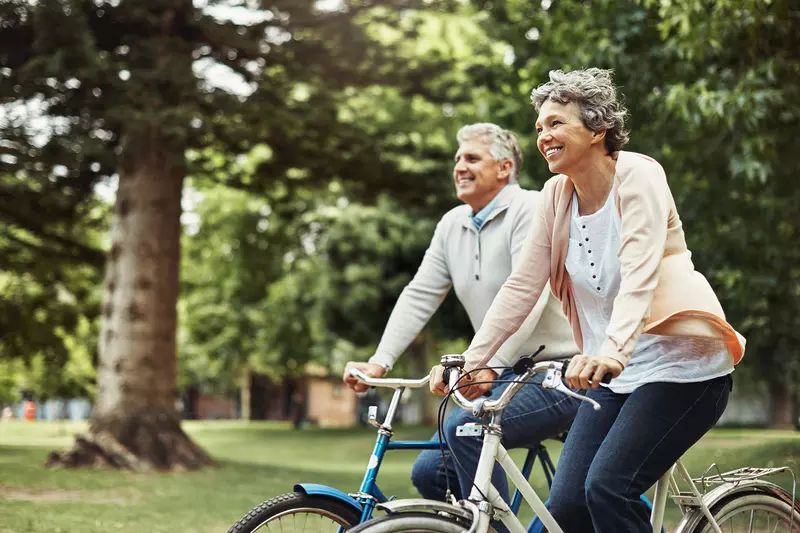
(741,499)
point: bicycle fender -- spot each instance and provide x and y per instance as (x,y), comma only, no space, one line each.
(420,504)
(315,489)
(725,491)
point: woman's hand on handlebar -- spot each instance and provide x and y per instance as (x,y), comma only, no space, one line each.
(483,379)
(587,371)
(372,370)
(436,383)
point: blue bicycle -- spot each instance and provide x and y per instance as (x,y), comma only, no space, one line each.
(314,507)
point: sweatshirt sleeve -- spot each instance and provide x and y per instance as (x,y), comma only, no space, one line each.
(417,303)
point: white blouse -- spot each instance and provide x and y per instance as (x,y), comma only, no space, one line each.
(594,271)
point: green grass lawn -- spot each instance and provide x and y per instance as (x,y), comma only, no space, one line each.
(256,461)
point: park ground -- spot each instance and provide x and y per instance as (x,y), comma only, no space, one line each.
(256,461)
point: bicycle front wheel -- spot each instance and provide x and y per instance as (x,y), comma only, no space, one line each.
(412,523)
(298,513)
(752,513)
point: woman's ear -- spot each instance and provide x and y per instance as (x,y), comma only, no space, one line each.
(598,136)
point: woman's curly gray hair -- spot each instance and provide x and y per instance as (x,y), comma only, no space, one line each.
(593,91)
(502,144)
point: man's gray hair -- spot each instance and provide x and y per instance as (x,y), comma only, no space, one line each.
(502,144)
(593,91)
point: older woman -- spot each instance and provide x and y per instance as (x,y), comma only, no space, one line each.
(609,239)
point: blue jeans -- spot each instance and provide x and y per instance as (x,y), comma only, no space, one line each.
(613,455)
(534,414)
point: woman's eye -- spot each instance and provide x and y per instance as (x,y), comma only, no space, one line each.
(538,131)
(556,123)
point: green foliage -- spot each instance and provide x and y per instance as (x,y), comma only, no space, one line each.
(49,326)
(712,90)
(91,91)
(371,253)
(249,289)
(44,378)
(739,105)
(322,180)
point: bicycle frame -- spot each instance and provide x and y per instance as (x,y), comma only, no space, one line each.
(484,502)
(369,494)
(493,451)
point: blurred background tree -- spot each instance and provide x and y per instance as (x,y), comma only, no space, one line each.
(121,90)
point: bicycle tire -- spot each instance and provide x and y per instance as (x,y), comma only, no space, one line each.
(294,503)
(775,509)
(416,522)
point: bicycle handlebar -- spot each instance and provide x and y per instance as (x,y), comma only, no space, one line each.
(551,381)
(389,383)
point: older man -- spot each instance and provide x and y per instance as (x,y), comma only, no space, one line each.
(474,249)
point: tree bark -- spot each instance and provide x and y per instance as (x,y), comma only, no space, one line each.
(781,407)
(418,353)
(135,422)
(246,394)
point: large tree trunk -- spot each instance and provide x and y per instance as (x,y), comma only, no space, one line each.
(135,422)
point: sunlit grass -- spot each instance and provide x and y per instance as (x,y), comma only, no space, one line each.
(257,460)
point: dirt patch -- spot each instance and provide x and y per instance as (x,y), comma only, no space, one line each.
(61,495)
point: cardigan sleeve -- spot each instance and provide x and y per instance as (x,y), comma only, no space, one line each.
(518,295)
(644,204)
(507,353)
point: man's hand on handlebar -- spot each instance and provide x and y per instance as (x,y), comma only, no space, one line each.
(483,379)
(372,370)
(587,371)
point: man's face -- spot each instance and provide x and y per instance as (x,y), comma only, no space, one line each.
(478,176)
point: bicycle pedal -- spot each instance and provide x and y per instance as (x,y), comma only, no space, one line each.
(470,429)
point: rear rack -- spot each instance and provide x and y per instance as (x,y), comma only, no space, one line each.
(737,476)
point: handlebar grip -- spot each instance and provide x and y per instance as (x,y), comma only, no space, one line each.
(446,374)
(606,379)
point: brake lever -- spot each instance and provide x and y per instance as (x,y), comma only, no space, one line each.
(553,381)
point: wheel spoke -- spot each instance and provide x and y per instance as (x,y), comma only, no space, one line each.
(753,513)
(319,523)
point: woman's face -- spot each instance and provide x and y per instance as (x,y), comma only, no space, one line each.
(563,140)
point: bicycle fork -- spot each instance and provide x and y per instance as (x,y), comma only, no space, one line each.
(484,499)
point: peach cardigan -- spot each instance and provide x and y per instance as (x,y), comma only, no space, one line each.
(660,292)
